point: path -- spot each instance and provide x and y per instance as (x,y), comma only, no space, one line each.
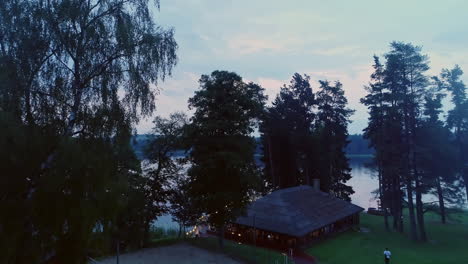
(180,253)
(300,257)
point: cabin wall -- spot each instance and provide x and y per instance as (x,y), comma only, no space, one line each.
(259,237)
(263,238)
(336,227)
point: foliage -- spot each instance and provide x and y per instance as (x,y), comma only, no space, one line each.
(332,122)
(299,128)
(76,199)
(182,206)
(414,150)
(395,100)
(157,233)
(286,135)
(223,172)
(457,119)
(75,76)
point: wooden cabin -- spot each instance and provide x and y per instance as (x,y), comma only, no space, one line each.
(293,217)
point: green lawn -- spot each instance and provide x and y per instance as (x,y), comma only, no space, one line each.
(448,244)
(246,253)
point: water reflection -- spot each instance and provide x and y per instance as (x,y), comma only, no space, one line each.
(364,181)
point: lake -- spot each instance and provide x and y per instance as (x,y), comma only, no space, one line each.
(364,181)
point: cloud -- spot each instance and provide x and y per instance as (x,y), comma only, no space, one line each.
(267,41)
(353,82)
(173,96)
(272,86)
(334,51)
(244,45)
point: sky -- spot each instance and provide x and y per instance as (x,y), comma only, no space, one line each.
(267,41)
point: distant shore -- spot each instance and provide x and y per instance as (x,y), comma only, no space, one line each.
(360,155)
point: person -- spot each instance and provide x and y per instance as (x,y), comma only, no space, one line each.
(387,255)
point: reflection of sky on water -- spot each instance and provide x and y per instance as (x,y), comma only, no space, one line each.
(364,181)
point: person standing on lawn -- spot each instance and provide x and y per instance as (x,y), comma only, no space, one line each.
(387,255)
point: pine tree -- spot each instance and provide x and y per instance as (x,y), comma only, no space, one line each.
(437,153)
(332,123)
(287,136)
(395,101)
(457,119)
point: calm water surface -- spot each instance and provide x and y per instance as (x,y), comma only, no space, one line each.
(364,182)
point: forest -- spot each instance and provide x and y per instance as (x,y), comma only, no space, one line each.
(76,77)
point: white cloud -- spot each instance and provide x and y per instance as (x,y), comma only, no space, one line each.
(353,84)
(272,87)
(173,96)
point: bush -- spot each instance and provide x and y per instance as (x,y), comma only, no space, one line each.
(161,232)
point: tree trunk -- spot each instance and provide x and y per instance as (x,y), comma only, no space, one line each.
(387,226)
(441,200)
(412,218)
(465,178)
(383,199)
(270,159)
(395,208)
(420,212)
(146,237)
(221,236)
(398,207)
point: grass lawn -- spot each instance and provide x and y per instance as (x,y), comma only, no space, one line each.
(447,245)
(242,252)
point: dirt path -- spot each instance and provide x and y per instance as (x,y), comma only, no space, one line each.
(180,254)
(303,258)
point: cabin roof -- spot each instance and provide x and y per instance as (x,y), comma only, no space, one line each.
(296,211)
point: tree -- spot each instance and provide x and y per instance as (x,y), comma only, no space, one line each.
(223,171)
(332,123)
(405,73)
(163,169)
(298,128)
(182,206)
(457,119)
(287,137)
(384,135)
(395,100)
(437,154)
(77,75)
(75,203)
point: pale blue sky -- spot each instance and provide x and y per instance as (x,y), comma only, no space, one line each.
(266,41)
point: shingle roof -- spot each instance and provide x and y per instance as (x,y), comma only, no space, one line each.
(296,211)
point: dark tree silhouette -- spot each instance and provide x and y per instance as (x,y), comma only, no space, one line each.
(223,171)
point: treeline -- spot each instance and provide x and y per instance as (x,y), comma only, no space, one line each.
(416,151)
(221,159)
(358,145)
